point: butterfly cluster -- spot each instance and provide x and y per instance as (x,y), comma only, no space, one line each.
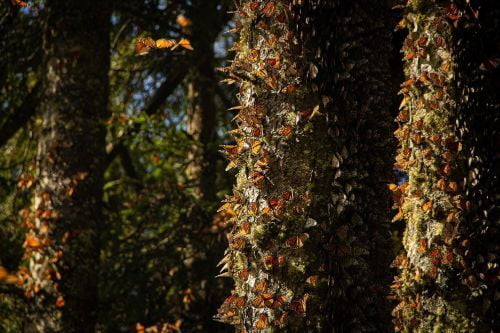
(43,246)
(298,222)
(433,201)
(144,45)
(262,236)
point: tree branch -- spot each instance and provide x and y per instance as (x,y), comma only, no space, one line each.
(20,117)
(155,102)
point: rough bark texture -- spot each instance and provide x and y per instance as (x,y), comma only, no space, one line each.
(309,241)
(62,243)
(201,99)
(448,132)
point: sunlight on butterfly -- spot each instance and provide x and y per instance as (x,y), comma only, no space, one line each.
(144,45)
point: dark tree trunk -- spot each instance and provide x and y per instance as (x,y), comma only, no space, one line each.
(207,22)
(202,111)
(308,248)
(62,244)
(449,134)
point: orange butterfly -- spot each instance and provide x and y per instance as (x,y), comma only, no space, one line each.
(262,322)
(185,43)
(299,305)
(260,286)
(163,43)
(144,45)
(183,21)
(19,3)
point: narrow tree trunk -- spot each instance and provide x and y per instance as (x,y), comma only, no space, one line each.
(206,246)
(448,132)
(308,246)
(62,244)
(201,99)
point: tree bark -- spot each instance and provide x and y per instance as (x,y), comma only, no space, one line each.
(448,132)
(309,243)
(62,243)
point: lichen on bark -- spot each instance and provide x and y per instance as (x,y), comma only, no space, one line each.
(62,243)
(309,216)
(445,284)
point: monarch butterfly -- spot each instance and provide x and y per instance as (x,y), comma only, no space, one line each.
(260,286)
(144,45)
(299,305)
(19,3)
(240,302)
(183,21)
(262,322)
(243,274)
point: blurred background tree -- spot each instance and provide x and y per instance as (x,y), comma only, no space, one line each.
(161,235)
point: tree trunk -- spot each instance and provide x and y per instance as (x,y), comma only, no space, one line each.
(62,243)
(309,244)
(449,147)
(206,246)
(201,100)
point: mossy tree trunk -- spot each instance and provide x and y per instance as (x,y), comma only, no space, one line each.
(308,243)
(62,243)
(448,131)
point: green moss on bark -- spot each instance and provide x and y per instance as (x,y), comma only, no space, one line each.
(438,287)
(309,222)
(62,244)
